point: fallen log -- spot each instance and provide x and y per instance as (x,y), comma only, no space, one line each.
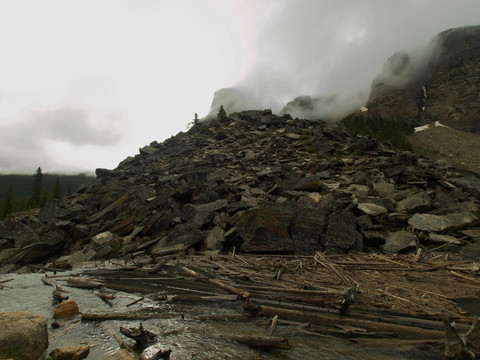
(402,331)
(135,301)
(231,289)
(262,342)
(121,316)
(83,283)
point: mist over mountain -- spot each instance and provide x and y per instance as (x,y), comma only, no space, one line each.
(332,53)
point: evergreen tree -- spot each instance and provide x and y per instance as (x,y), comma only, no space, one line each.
(37,187)
(8,205)
(222,114)
(57,191)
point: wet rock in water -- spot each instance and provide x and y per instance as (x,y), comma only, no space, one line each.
(122,355)
(23,335)
(437,223)
(70,352)
(266,228)
(399,241)
(341,234)
(66,309)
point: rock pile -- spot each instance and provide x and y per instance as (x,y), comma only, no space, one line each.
(257,182)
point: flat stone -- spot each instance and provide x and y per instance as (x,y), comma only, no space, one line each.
(371,209)
(419,202)
(384,189)
(444,239)
(399,240)
(437,223)
(23,335)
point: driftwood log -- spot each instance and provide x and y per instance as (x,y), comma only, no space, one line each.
(83,283)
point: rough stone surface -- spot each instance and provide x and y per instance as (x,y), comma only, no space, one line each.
(122,355)
(400,240)
(70,352)
(438,223)
(449,79)
(23,336)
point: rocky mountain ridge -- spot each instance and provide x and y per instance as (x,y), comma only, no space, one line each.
(256,182)
(442,84)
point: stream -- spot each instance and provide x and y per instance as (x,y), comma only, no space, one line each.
(186,325)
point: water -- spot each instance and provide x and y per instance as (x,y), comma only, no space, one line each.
(186,326)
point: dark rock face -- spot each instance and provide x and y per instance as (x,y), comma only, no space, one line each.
(258,182)
(443,85)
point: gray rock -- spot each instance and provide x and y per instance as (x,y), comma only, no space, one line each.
(15,230)
(384,189)
(399,241)
(418,202)
(24,336)
(341,234)
(215,238)
(371,209)
(306,229)
(266,228)
(202,214)
(437,223)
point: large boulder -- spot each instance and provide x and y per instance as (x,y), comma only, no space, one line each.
(17,231)
(23,336)
(341,234)
(70,352)
(266,228)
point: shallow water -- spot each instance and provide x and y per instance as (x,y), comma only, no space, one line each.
(183,327)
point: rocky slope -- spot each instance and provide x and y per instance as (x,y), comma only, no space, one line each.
(441,84)
(257,182)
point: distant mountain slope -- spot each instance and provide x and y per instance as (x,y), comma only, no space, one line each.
(442,83)
(455,146)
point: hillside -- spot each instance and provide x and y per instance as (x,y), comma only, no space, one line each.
(451,145)
(259,183)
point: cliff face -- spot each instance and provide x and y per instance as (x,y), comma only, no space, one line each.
(443,84)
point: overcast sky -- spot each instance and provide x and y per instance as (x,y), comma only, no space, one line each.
(84,84)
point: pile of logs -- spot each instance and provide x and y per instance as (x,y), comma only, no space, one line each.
(400,301)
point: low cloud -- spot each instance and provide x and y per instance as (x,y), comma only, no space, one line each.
(25,144)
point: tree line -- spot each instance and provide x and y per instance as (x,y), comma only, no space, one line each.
(23,192)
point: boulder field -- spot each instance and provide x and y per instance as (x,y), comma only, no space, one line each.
(259,183)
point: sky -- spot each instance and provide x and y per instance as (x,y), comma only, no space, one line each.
(85,84)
